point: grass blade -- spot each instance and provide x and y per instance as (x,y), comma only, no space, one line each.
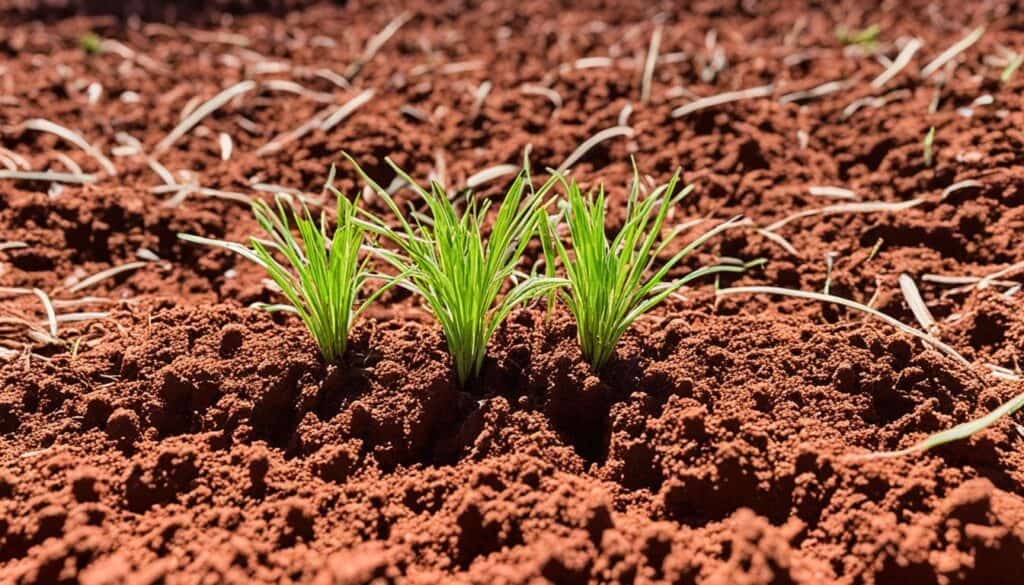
(957,433)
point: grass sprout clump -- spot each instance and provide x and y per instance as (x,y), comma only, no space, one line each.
(321,277)
(460,272)
(91,43)
(612,282)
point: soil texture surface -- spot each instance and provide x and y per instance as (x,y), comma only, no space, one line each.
(167,432)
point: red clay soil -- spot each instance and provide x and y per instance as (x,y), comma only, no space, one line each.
(182,437)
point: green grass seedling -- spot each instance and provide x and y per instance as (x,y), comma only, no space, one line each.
(460,271)
(612,282)
(322,278)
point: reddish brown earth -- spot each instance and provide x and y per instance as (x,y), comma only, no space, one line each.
(186,438)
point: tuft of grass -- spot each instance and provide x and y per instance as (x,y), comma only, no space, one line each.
(929,140)
(91,43)
(460,272)
(866,37)
(612,282)
(322,278)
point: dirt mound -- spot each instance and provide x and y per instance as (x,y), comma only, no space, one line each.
(213,441)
